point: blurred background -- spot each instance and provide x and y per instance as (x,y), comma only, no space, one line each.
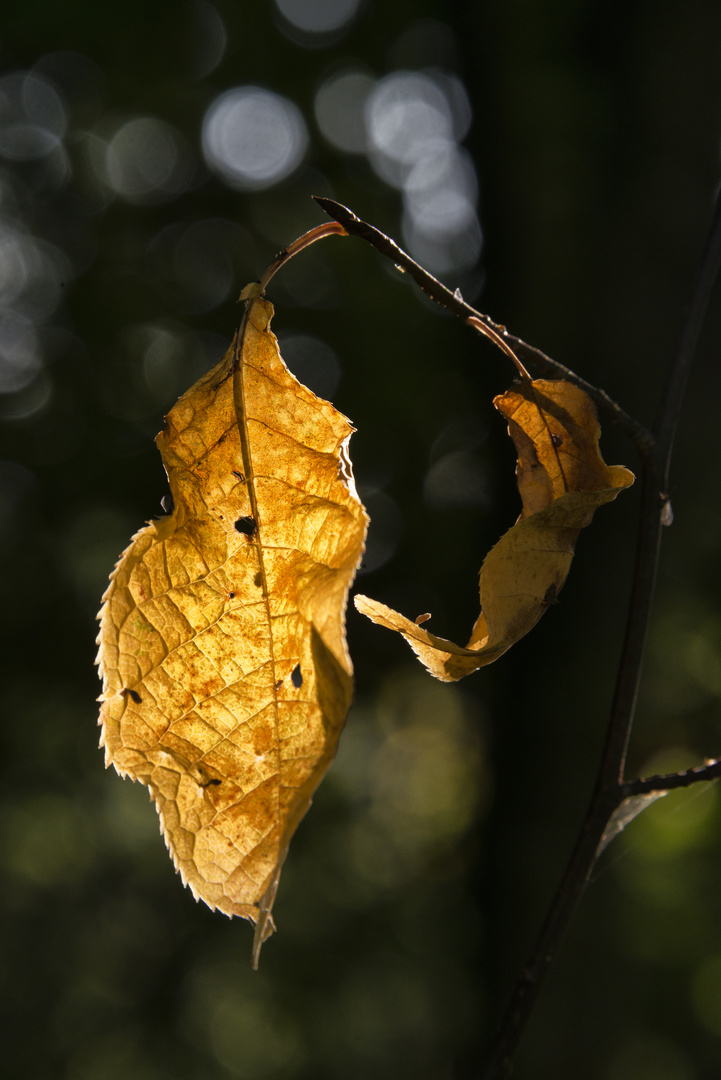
(557,161)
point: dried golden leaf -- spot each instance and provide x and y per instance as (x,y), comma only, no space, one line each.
(555,428)
(562,480)
(226,676)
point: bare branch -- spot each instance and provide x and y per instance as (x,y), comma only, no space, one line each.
(668,781)
(454,302)
(611,789)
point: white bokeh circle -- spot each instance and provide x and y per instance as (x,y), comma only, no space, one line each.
(253,138)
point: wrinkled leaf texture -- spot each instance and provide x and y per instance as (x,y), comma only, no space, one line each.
(562,480)
(226,676)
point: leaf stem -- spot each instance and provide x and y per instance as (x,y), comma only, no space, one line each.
(329,228)
(499,342)
(454,302)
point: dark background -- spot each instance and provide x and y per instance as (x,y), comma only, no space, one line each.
(415,886)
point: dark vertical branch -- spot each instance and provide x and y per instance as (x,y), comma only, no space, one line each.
(610,788)
(655,506)
(607,794)
(558,919)
(655,450)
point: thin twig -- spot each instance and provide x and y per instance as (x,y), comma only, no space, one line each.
(669,781)
(454,302)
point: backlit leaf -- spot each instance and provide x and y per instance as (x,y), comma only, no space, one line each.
(562,480)
(226,676)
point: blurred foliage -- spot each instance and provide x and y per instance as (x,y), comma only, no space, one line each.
(417,883)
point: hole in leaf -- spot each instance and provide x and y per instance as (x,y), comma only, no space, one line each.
(246,526)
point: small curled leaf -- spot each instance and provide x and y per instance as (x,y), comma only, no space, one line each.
(562,480)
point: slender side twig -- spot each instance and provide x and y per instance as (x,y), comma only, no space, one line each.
(454,302)
(669,781)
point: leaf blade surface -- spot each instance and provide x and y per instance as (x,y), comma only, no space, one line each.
(226,676)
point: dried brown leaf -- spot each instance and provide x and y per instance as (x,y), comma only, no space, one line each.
(226,676)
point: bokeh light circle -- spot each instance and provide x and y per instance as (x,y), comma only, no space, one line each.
(318,16)
(340,110)
(253,138)
(144,160)
(19,352)
(441,192)
(32,117)
(406,113)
